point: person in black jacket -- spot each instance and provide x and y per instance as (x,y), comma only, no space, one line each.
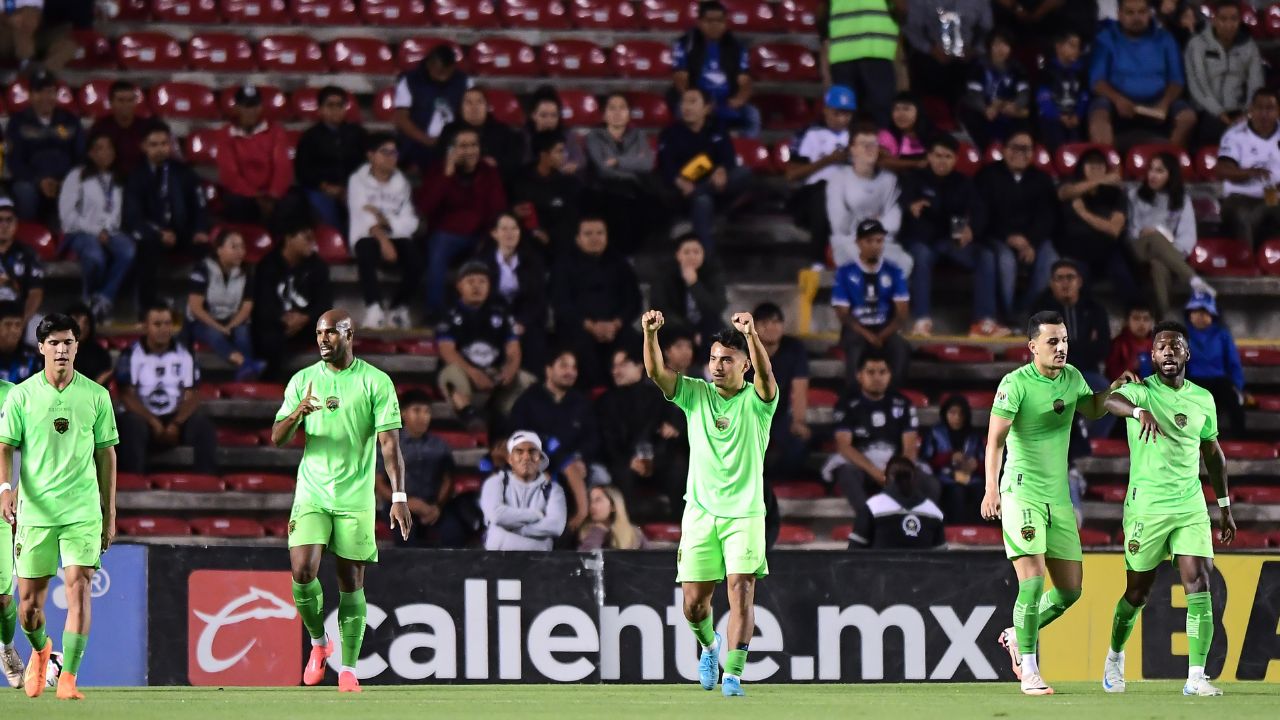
(596,299)
(901,517)
(690,290)
(545,198)
(518,275)
(164,210)
(45,143)
(500,144)
(328,152)
(291,290)
(1094,214)
(1088,329)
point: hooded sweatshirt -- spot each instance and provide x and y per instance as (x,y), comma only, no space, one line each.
(392,198)
(521,515)
(1214,354)
(90,204)
(1140,68)
(1129,352)
(1222,80)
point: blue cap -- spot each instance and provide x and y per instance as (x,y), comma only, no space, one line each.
(1203,301)
(840,97)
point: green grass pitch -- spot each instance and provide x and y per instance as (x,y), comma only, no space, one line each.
(1079,701)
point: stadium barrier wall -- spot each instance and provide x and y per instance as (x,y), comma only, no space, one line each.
(225,616)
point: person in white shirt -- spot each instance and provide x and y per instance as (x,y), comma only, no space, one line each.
(524,509)
(1249,168)
(383,223)
(816,155)
(89,206)
(862,191)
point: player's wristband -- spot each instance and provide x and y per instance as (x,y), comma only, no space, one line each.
(399,497)
(1224,502)
(5,487)
(1137,413)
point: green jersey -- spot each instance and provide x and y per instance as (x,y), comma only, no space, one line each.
(727,440)
(339,459)
(1042,411)
(58,432)
(1164,476)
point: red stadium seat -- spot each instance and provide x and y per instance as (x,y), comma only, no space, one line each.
(1109,447)
(800,490)
(1257,494)
(1269,256)
(38,238)
(579,109)
(187,482)
(793,534)
(133,10)
(968,160)
(574,58)
(275,104)
(384,104)
(782,62)
(256,12)
(457,440)
(305,104)
(753,155)
(331,246)
(675,15)
(1259,357)
(208,390)
(154,51)
(505,106)
(1108,492)
(94,99)
(121,341)
(1093,537)
(419,346)
(1139,157)
(603,14)
(753,16)
(915,397)
(257,243)
(326,12)
(260,482)
(368,56)
(201,147)
(784,112)
(220,52)
(974,535)
(504,56)
(1017,353)
(939,113)
(1271,23)
(1043,159)
(822,397)
(93,51)
(978,399)
(465,13)
(291,54)
(397,13)
(1206,160)
(132,482)
(464,484)
(1268,403)
(841,533)
(1248,450)
(1245,540)
(276,527)
(230,437)
(781,153)
(535,14)
(1223,257)
(253,390)
(152,526)
(642,59)
(298,441)
(801,16)
(375,346)
(184,100)
(953,353)
(1068,155)
(228,527)
(412,50)
(187,12)
(664,532)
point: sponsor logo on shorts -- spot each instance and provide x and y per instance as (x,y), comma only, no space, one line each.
(292,524)
(242,628)
(61,425)
(1059,406)
(1180,420)
(17,551)
(331,402)
(679,553)
(1028,533)
(1134,545)
(722,423)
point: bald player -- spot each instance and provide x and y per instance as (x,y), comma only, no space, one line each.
(342,404)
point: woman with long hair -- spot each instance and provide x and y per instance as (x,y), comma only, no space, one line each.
(608,525)
(1162,232)
(518,277)
(904,144)
(546,113)
(1093,222)
(89,207)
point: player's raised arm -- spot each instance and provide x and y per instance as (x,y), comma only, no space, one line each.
(663,376)
(1094,406)
(1216,463)
(766,384)
(997,433)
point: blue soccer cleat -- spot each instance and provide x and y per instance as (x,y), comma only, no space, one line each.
(732,687)
(709,665)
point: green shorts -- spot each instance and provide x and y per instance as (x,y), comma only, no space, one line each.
(37,548)
(349,535)
(1039,528)
(6,559)
(1149,539)
(712,547)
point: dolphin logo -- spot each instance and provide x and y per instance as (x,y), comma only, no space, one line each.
(232,614)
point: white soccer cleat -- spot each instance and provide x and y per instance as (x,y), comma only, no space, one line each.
(1113,674)
(1200,687)
(12,663)
(1033,684)
(1009,641)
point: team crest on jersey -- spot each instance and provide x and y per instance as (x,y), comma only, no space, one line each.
(1180,420)
(911,526)
(1134,545)
(722,423)
(61,425)
(1059,406)
(331,402)
(1028,533)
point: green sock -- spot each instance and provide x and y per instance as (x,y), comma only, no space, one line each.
(1122,624)
(73,651)
(351,611)
(735,662)
(8,620)
(1054,603)
(309,600)
(704,631)
(36,637)
(1199,628)
(1026,614)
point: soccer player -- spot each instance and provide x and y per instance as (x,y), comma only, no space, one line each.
(722,532)
(342,404)
(10,661)
(1173,423)
(1033,412)
(65,426)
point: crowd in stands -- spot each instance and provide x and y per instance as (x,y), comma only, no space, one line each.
(517,244)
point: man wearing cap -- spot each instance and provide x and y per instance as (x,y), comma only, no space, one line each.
(523,509)
(45,142)
(870,298)
(815,155)
(1215,362)
(254,168)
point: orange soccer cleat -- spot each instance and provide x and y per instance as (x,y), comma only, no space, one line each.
(314,672)
(67,687)
(36,669)
(347,682)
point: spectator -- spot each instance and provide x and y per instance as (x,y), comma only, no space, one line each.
(254,168)
(901,516)
(562,417)
(1137,77)
(500,145)
(623,184)
(427,99)
(789,434)
(1162,231)
(998,96)
(596,300)
(1180,18)
(220,303)
(480,350)
(859,44)
(863,191)
(1215,361)
(21,272)
(20,31)
(1039,20)
(905,141)
(712,58)
(1093,220)
(329,152)
(93,360)
(440,519)
(816,155)
(545,198)
(158,377)
(943,219)
(677,350)
(1021,207)
(460,198)
(1249,166)
(523,509)
(610,526)
(163,209)
(1131,349)
(519,277)
(546,115)
(690,290)
(870,298)
(696,156)
(1088,327)
(1224,70)
(943,38)
(89,205)
(383,223)
(45,143)
(17,363)
(126,130)
(955,451)
(1063,94)
(290,291)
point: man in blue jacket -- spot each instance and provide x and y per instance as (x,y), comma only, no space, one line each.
(1137,78)
(1215,362)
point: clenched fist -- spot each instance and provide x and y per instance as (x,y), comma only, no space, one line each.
(652,321)
(744,323)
